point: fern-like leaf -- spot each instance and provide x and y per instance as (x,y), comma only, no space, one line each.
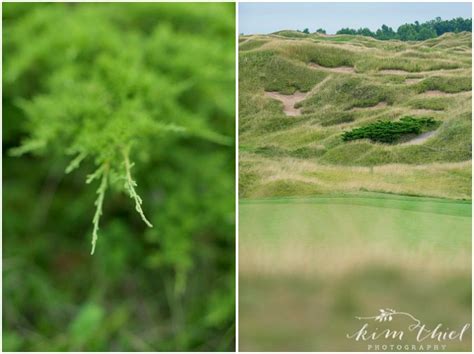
(130,185)
(99,203)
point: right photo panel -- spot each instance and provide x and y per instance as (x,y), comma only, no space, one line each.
(355,177)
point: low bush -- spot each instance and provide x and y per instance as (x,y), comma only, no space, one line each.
(390,132)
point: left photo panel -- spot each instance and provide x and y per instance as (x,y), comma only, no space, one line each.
(118,176)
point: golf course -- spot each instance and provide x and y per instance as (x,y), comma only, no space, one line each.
(355,187)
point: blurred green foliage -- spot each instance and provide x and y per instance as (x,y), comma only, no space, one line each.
(93,80)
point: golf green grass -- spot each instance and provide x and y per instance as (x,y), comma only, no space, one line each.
(410,224)
(309,265)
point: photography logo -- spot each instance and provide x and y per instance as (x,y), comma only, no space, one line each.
(392,330)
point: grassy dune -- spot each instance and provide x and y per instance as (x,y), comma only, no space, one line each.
(352,81)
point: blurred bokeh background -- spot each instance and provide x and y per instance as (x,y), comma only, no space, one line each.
(162,289)
(309,266)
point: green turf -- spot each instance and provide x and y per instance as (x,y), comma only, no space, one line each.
(378,200)
(443,225)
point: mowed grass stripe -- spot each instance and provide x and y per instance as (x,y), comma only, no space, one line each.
(304,237)
(379,200)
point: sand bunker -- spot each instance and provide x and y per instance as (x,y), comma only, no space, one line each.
(423,72)
(288,101)
(394,72)
(339,69)
(420,139)
(412,81)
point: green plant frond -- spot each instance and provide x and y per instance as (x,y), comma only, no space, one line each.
(95,175)
(161,127)
(27,146)
(103,170)
(213,137)
(130,185)
(91,98)
(75,162)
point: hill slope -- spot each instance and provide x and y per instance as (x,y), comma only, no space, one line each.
(299,93)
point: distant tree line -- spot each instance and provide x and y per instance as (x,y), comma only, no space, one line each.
(411,31)
(415,31)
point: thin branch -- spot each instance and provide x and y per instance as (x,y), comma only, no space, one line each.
(99,202)
(130,185)
(75,162)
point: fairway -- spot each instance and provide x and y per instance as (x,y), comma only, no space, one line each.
(323,260)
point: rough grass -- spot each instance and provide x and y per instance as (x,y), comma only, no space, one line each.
(392,79)
(282,175)
(435,103)
(252,44)
(275,73)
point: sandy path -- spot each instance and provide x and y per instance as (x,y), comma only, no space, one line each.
(420,139)
(424,73)
(339,69)
(289,101)
(412,81)
(394,72)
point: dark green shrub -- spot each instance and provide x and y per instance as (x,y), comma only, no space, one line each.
(390,132)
